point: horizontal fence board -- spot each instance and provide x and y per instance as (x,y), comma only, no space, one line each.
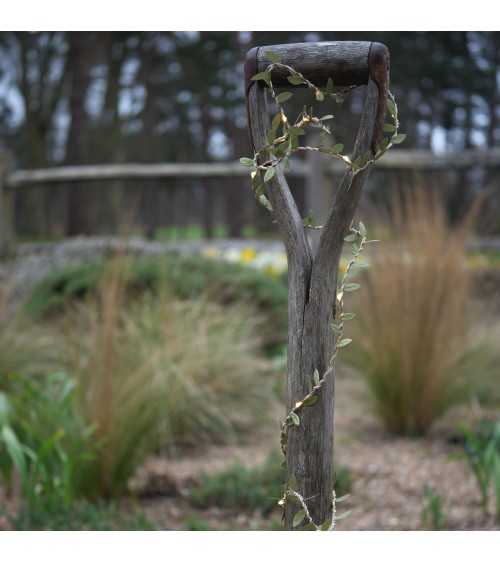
(399,159)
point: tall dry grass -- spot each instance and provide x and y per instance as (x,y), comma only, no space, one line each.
(24,348)
(158,374)
(416,335)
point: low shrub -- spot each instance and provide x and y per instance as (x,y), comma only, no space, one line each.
(82,516)
(252,488)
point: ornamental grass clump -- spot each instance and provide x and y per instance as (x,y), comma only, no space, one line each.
(156,374)
(418,348)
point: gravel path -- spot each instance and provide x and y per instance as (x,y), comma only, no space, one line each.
(389,475)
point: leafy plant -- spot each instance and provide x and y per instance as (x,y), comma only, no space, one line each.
(42,439)
(482,451)
(419,350)
(433,511)
(82,516)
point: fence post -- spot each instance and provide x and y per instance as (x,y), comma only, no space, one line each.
(6,200)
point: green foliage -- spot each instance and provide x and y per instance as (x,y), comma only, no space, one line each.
(45,442)
(187,278)
(251,488)
(82,516)
(433,511)
(242,487)
(482,451)
(44,438)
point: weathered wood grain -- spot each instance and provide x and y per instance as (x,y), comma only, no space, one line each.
(345,62)
(312,293)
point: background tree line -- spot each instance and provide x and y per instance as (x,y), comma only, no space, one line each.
(112,97)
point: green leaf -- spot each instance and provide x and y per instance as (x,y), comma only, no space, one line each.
(320,96)
(308,528)
(362,229)
(351,238)
(294,130)
(271,136)
(347,316)
(309,384)
(323,149)
(265,202)
(352,287)
(260,190)
(15,451)
(280,149)
(284,97)
(329,86)
(316,376)
(343,515)
(286,164)
(276,122)
(295,80)
(322,136)
(391,107)
(344,342)
(293,483)
(325,117)
(357,163)
(310,401)
(398,139)
(261,76)
(354,249)
(295,418)
(326,525)
(337,149)
(299,517)
(273,57)
(389,127)
(345,497)
(335,329)
(366,158)
(247,161)
(270,172)
(294,142)
(339,99)
(383,144)
(360,265)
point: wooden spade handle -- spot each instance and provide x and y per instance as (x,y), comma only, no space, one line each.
(347,63)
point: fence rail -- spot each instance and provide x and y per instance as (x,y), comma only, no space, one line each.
(313,168)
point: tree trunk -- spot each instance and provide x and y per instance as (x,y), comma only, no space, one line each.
(77,143)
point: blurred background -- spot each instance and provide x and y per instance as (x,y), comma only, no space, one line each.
(143,291)
(82,98)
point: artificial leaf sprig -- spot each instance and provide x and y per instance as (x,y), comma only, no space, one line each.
(283,137)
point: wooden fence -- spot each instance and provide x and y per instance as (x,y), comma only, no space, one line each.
(313,170)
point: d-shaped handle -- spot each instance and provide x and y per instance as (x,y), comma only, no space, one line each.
(347,63)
